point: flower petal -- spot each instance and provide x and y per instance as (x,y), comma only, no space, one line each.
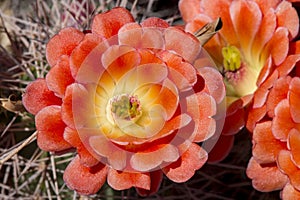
(279,39)
(37,96)
(266,30)
(277,93)
(86,158)
(201,107)
(118,60)
(156,178)
(108,24)
(265,146)
(288,65)
(282,123)
(85,57)
(59,77)
(132,34)
(235,113)
(103,147)
(220,8)
(246,17)
(290,193)
(189,9)
(181,73)
(287,17)
(287,166)
(254,116)
(294,96)
(145,161)
(154,22)
(293,143)
(184,168)
(189,46)
(51,129)
(214,84)
(62,43)
(85,180)
(125,180)
(265,178)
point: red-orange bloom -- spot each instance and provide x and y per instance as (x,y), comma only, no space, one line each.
(253,41)
(133,99)
(274,118)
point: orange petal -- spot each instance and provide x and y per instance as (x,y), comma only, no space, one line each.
(124,180)
(254,116)
(188,47)
(189,9)
(221,149)
(105,148)
(86,158)
(62,43)
(66,108)
(184,168)
(148,56)
(293,143)
(156,178)
(260,95)
(235,113)
(155,22)
(288,65)
(145,161)
(201,107)
(220,8)
(290,193)
(72,137)
(265,146)
(287,17)
(214,84)
(277,93)
(85,180)
(181,73)
(265,178)
(51,129)
(287,166)
(278,46)
(78,107)
(37,96)
(246,18)
(282,123)
(108,24)
(59,77)
(266,30)
(118,60)
(294,96)
(133,35)
(266,5)
(85,57)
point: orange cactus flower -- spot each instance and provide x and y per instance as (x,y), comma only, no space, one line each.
(133,99)
(253,41)
(274,119)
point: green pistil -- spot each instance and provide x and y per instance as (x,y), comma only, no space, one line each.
(232,58)
(125,107)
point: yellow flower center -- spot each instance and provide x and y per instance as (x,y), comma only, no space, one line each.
(231,58)
(122,108)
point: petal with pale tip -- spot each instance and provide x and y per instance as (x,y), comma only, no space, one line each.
(38,96)
(62,43)
(85,180)
(266,178)
(184,168)
(51,129)
(294,99)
